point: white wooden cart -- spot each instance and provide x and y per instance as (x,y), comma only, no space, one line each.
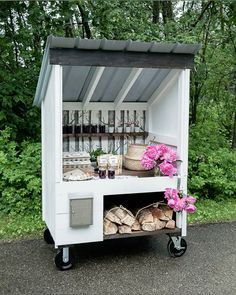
(96,80)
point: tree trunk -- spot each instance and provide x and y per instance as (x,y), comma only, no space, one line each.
(155,12)
(67,15)
(194,102)
(204,9)
(167,11)
(85,23)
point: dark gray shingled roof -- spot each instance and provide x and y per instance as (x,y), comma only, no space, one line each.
(78,71)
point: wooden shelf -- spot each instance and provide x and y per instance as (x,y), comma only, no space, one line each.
(125,172)
(115,134)
(144,173)
(175,231)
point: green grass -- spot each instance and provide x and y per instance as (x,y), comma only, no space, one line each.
(20,226)
(17,226)
(214,211)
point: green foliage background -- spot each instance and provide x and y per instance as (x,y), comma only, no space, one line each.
(24,27)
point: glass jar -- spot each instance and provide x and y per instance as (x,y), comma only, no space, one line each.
(102,173)
(111,173)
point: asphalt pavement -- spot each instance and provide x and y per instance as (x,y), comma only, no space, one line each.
(126,266)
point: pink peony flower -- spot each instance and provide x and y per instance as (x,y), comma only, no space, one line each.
(171,193)
(158,152)
(169,156)
(178,201)
(191,199)
(167,169)
(151,152)
(162,156)
(171,203)
(147,163)
(190,208)
(181,204)
(162,149)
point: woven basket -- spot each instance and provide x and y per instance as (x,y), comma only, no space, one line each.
(135,151)
(132,160)
(133,164)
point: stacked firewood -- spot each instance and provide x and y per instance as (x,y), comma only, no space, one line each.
(150,218)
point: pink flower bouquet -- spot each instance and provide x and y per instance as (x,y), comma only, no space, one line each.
(160,156)
(179,201)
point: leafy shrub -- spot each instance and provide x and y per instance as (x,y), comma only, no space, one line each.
(20,179)
(211,162)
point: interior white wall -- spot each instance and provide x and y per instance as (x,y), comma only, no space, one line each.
(163,115)
(168,120)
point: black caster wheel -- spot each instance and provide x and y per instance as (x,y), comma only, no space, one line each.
(60,264)
(175,252)
(47,237)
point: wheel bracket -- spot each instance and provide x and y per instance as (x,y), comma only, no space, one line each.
(177,242)
(65,254)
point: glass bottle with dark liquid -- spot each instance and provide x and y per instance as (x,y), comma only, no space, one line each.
(102,173)
(111,173)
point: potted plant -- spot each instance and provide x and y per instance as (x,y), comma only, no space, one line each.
(94,154)
(119,127)
(111,126)
(128,126)
(136,126)
(111,129)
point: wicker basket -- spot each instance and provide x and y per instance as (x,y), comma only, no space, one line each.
(132,160)
(133,164)
(136,150)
